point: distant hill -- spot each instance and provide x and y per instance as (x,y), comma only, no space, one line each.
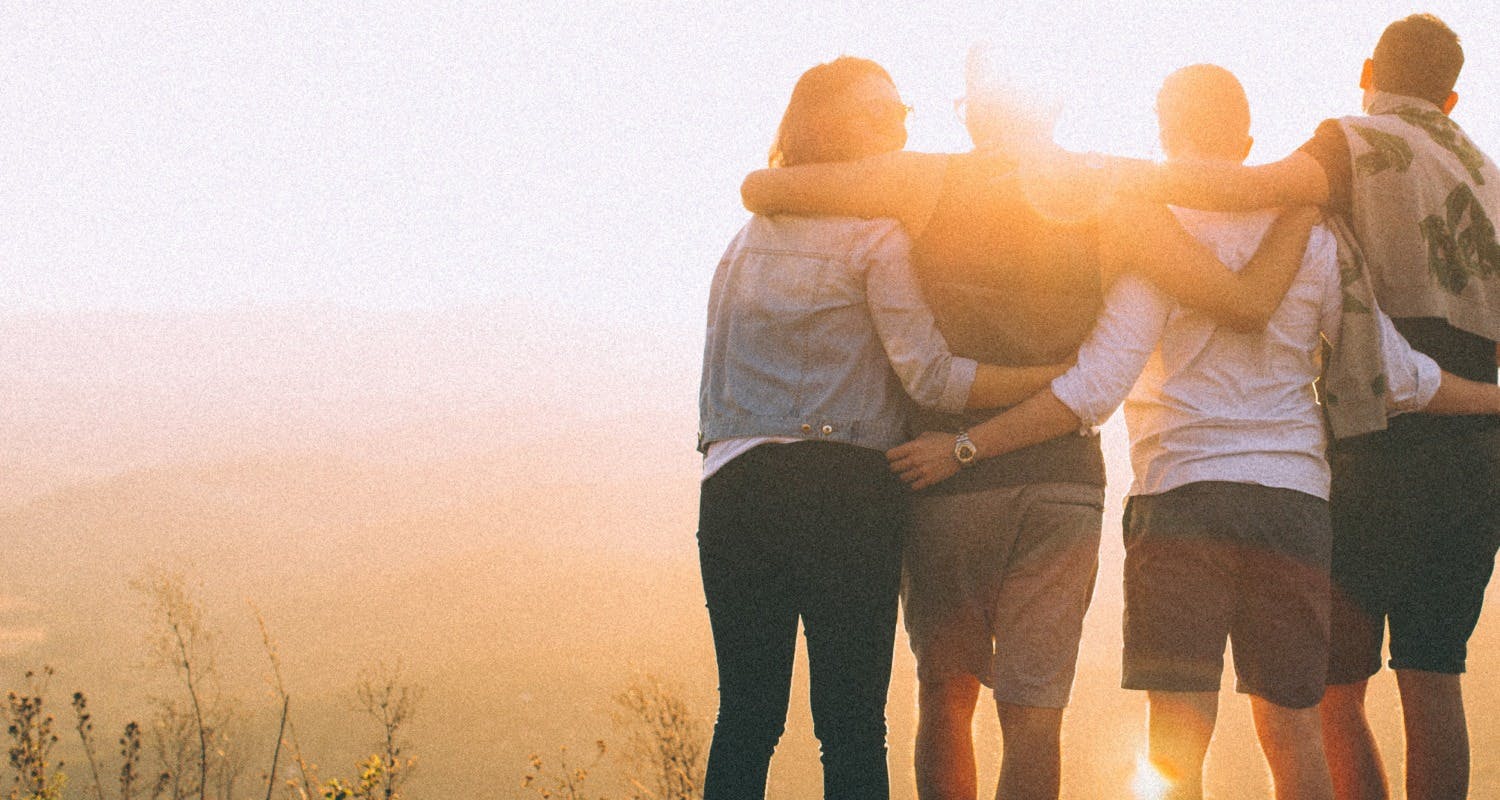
(89,395)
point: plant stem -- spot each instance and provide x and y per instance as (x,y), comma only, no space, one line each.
(286,704)
(187,670)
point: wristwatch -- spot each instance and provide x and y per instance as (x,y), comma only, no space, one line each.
(964,451)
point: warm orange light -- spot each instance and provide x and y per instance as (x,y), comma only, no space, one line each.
(1148,783)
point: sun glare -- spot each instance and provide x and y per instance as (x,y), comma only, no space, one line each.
(1148,783)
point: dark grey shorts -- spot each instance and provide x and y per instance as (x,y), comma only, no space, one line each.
(996,585)
(1416,526)
(1215,559)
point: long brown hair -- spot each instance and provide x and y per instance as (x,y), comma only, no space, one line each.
(812,128)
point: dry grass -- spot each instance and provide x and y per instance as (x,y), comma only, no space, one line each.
(663,758)
(197,741)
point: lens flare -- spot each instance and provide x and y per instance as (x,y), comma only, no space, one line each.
(1064,187)
(1148,783)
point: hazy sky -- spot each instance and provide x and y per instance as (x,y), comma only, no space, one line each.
(568,166)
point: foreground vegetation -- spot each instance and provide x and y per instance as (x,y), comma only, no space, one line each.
(663,758)
(195,743)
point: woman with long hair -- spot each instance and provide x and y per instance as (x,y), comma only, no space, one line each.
(818,346)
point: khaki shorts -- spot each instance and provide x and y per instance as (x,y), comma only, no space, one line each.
(996,584)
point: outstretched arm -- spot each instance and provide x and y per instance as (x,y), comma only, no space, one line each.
(1109,362)
(1414,382)
(996,386)
(901,185)
(1457,395)
(1297,179)
(1147,239)
(928,459)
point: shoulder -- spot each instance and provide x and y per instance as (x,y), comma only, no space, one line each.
(1333,127)
(1329,143)
(742,238)
(1234,236)
(854,238)
(882,238)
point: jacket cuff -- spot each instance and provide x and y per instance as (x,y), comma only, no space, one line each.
(961,373)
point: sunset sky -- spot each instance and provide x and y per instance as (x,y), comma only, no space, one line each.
(564,175)
(563,164)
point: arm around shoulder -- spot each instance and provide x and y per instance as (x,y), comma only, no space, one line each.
(929,459)
(1146,238)
(1298,179)
(1457,395)
(902,185)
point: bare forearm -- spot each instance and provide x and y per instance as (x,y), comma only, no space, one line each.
(1222,185)
(1260,287)
(1457,395)
(808,189)
(996,386)
(931,458)
(1215,186)
(1041,417)
(902,185)
(1147,239)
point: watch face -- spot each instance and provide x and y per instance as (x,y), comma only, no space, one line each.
(964,452)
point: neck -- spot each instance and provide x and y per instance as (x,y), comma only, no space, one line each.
(1379,102)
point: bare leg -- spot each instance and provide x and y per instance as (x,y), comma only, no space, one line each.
(1437,735)
(1031,758)
(1181,725)
(945,739)
(1353,759)
(1293,743)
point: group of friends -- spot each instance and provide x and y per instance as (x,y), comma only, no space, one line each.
(907,359)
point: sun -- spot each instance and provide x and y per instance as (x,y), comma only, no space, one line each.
(1148,783)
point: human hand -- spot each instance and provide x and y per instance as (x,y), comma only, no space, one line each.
(925,460)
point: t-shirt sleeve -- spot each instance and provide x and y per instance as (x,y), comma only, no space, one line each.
(1331,149)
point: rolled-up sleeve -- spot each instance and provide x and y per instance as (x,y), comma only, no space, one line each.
(1412,378)
(1115,353)
(927,368)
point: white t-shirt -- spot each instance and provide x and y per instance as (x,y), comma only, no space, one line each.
(726,450)
(1212,404)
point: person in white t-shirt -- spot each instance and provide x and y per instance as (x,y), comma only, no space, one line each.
(1227,530)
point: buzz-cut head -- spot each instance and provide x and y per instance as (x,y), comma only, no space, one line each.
(1202,110)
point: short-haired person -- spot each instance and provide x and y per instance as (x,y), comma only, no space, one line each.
(1001,561)
(1227,528)
(817,334)
(1416,508)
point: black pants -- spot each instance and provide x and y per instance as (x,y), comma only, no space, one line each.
(810,530)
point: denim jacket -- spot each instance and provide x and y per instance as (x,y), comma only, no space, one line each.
(817,330)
